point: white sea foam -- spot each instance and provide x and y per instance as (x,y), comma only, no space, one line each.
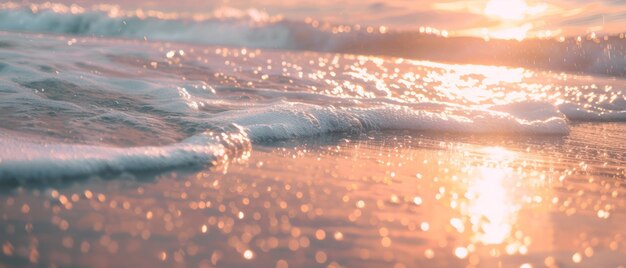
(590,114)
(294,120)
(23,160)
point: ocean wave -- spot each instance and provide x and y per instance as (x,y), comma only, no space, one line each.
(110,22)
(23,161)
(288,120)
(255,29)
(96,105)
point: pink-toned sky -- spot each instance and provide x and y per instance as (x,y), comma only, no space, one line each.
(512,19)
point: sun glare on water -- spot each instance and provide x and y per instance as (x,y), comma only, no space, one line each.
(514,10)
(491,209)
(514,16)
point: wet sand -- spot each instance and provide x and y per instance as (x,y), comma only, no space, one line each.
(390,199)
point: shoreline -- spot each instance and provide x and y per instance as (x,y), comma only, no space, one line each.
(389,200)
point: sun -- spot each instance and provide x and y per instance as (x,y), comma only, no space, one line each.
(510,10)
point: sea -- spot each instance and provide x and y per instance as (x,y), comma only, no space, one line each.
(153,139)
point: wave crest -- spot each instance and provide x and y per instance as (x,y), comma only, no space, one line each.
(25,161)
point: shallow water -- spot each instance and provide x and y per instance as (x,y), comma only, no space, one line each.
(70,98)
(119,152)
(371,200)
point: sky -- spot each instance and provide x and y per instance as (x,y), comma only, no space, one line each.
(508,19)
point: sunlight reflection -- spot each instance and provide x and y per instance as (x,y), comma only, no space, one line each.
(506,9)
(498,153)
(518,33)
(490,210)
(475,83)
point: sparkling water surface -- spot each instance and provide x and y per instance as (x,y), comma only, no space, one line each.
(118,152)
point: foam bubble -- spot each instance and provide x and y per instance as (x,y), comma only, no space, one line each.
(292,120)
(23,161)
